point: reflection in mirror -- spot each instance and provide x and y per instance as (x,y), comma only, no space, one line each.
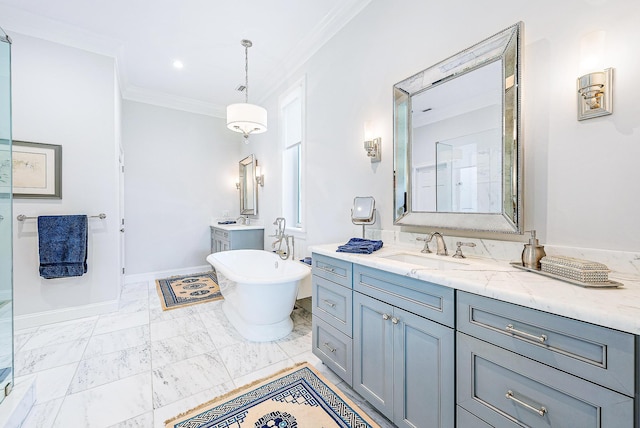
(456,140)
(248,190)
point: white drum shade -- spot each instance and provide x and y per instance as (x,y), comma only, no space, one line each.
(246,118)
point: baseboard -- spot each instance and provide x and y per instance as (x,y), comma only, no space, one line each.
(150,276)
(67,314)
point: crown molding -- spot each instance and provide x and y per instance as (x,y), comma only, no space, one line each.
(29,24)
(33,25)
(143,95)
(328,27)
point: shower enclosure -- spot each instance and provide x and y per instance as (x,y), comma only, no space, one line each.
(6,233)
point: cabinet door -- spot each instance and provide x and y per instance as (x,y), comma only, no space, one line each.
(373,352)
(423,372)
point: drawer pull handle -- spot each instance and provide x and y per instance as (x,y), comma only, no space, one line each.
(511,329)
(385,317)
(331,349)
(394,320)
(329,303)
(541,411)
(329,269)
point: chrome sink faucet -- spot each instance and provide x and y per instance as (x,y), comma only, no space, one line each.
(441,247)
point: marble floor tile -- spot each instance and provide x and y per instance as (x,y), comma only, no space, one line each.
(162,414)
(263,373)
(20,338)
(135,286)
(178,348)
(115,321)
(222,333)
(53,383)
(187,377)
(60,332)
(176,327)
(134,295)
(297,342)
(34,360)
(158,314)
(129,306)
(143,421)
(246,357)
(110,367)
(117,340)
(107,405)
(43,415)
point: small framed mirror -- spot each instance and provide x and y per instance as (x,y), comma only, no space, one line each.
(248,190)
(457,141)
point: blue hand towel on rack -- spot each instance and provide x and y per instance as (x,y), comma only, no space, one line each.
(62,244)
(360,246)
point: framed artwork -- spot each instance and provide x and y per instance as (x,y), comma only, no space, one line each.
(37,170)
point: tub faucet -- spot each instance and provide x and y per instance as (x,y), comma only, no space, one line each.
(440,244)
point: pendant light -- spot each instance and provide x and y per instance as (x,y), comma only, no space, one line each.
(244,117)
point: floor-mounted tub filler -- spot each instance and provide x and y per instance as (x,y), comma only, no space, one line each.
(260,291)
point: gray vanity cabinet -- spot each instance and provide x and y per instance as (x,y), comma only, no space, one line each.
(403,363)
(331,299)
(518,366)
(240,239)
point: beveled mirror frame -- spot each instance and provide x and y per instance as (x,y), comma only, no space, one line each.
(505,46)
(248,188)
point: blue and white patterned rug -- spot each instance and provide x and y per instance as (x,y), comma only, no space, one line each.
(298,397)
(179,291)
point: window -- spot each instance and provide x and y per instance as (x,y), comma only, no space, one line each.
(292,135)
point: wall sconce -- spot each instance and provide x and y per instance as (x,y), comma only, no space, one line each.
(373,146)
(237,185)
(595,96)
(259,176)
(595,90)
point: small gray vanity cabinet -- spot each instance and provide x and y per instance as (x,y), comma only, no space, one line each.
(332,314)
(575,374)
(237,239)
(403,361)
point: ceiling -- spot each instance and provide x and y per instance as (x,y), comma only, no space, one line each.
(147,36)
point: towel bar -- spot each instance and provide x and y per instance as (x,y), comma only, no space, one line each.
(23,217)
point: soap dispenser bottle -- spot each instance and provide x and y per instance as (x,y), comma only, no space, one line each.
(532,252)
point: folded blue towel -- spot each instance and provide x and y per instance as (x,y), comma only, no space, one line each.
(360,246)
(62,245)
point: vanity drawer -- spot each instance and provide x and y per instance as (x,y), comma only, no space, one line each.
(219,233)
(332,303)
(428,300)
(505,389)
(465,419)
(332,269)
(334,349)
(595,353)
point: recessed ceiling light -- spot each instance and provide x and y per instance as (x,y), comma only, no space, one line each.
(178,64)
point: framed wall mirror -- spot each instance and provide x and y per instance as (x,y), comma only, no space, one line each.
(248,190)
(457,142)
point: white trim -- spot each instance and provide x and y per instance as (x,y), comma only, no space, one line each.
(152,276)
(143,95)
(58,315)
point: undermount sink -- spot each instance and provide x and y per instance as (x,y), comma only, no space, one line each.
(426,261)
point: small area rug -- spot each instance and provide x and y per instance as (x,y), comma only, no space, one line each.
(298,397)
(180,291)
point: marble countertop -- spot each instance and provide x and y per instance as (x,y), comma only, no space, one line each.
(617,308)
(237,226)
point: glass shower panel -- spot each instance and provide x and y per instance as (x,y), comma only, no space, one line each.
(6,256)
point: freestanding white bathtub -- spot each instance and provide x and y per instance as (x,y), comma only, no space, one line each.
(259,291)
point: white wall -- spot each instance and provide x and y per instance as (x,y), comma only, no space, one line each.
(65,96)
(180,171)
(581,178)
